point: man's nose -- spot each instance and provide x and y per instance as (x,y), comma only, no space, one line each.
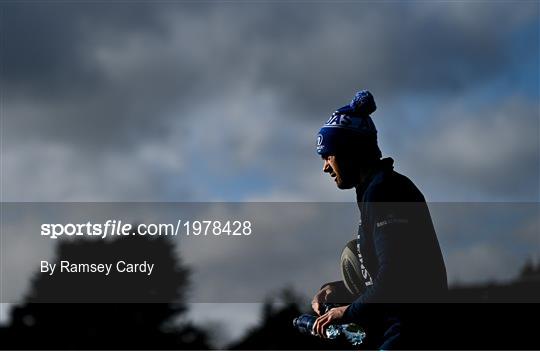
(327,167)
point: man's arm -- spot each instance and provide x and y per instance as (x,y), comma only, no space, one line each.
(331,292)
(391,242)
(362,309)
(388,283)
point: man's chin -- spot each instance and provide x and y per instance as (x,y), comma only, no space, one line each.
(343,185)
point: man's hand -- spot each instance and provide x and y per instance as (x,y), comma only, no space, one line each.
(321,298)
(322,322)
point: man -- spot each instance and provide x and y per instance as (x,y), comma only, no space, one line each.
(397,247)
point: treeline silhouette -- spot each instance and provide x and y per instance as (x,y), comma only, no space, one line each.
(524,289)
(55,324)
(477,318)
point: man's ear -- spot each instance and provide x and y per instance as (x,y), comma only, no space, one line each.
(347,158)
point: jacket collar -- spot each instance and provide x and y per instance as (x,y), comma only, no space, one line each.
(384,165)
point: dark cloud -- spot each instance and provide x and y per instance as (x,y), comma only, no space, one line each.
(126,65)
(44,43)
(53,81)
(490,154)
(171,94)
(394,49)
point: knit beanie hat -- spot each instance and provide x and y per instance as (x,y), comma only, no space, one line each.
(350,129)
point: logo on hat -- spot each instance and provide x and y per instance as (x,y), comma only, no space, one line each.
(339,120)
(319,143)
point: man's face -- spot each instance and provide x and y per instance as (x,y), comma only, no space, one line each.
(342,170)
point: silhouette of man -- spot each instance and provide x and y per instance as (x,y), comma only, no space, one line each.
(397,249)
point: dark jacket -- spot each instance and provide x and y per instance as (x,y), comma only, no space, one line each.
(398,248)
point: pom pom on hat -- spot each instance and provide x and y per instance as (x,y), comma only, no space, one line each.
(363,103)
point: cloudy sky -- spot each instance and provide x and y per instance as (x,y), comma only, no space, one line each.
(221,101)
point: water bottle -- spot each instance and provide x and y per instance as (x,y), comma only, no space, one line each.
(352,332)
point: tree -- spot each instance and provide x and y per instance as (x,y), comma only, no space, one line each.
(115,311)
